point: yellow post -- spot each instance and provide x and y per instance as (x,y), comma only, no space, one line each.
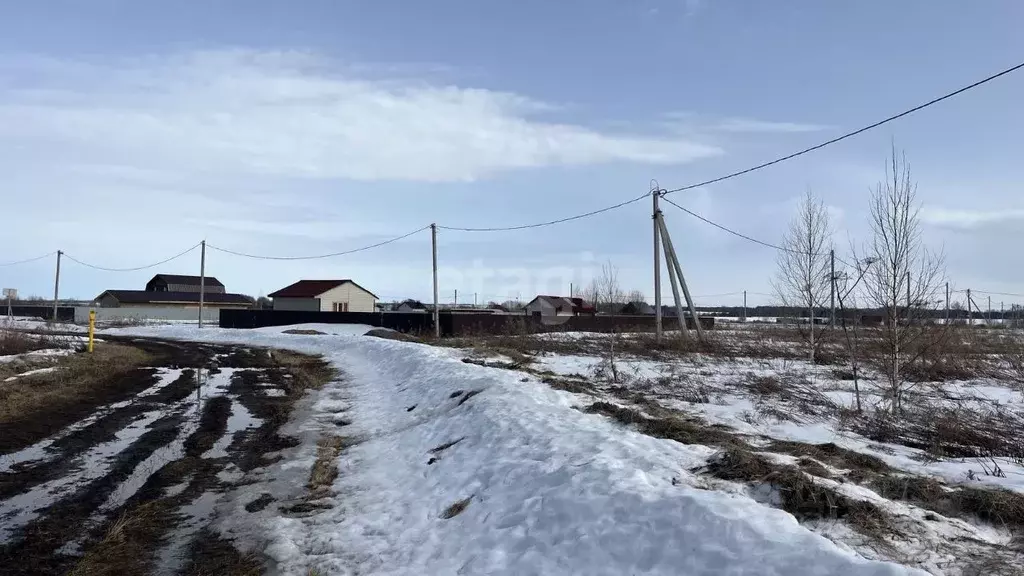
(92,328)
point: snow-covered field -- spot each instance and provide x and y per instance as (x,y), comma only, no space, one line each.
(457,468)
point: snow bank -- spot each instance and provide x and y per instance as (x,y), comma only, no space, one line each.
(552,490)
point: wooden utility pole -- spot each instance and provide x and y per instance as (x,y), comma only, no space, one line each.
(433,245)
(655,194)
(202,281)
(56,286)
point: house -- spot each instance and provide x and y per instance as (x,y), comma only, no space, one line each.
(175,291)
(179,283)
(143,298)
(557,306)
(410,305)
(637,308)
(324,296)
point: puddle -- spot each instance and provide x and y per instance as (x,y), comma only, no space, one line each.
(172,491)
(21,509)
(171,558)
(240,419)
(39,450)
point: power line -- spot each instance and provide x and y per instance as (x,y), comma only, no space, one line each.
(137,268)
(319,256)
(735,233)
(27,260)
(995,293)
(550,222)
(851,134)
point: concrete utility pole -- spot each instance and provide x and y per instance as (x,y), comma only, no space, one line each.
(202,281)
(947,302)
(56,286)
(456,302)
(657,267)
(674,281)
(989,311)
(908,298)
(673,262)
(744,305)
(437,315)
(832,286)
(970,320)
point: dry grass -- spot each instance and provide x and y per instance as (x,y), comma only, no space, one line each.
(127,546)
(308,372)
(799,494)
(304,332)
(993,505)
(73,381)
(325,468)
(15,342)
(456,508)
(685,431)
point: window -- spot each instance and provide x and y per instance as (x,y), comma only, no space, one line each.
(341,306)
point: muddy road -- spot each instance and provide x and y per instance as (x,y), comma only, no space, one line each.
(127,481)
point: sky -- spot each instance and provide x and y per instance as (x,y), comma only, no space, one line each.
(130,131)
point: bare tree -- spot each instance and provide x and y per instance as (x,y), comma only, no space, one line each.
(803,276)
(636,296)
(905,278)
(604,290)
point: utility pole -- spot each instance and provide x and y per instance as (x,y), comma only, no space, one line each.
(832,286)
(908,298)
(437,316)
(744,305)
(657,267)
(1002,313)
(988,312)
(56,286)
(456,303)
(474,299)
(571,295)
(947,302)
(970,320)
(202,281)
(673,262)
(810,317)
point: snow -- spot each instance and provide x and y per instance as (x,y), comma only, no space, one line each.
(35,354)
(31,373)
(552,490)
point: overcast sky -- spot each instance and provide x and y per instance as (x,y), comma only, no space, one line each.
(130,131)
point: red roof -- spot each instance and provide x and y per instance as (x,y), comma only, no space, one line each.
(313,288)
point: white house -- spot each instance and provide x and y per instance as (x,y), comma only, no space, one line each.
(325,296)
(551,306)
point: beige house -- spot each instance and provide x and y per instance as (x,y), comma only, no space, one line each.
(325,296)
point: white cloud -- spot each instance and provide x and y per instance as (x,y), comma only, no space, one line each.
(291,114)
(748,125)
(968,219)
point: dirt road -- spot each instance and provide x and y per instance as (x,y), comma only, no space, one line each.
(126,482)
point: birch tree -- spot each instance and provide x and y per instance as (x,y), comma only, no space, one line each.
(803,276)
(905,278)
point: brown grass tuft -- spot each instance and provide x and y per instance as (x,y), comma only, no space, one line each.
(325,468)
(456,508)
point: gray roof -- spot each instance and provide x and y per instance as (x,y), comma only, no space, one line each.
(146,297)
(188,280)
(555,301)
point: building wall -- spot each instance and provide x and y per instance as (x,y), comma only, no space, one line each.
(108,301)
(297,304)
(358,300)
(546,309)
(142,313)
